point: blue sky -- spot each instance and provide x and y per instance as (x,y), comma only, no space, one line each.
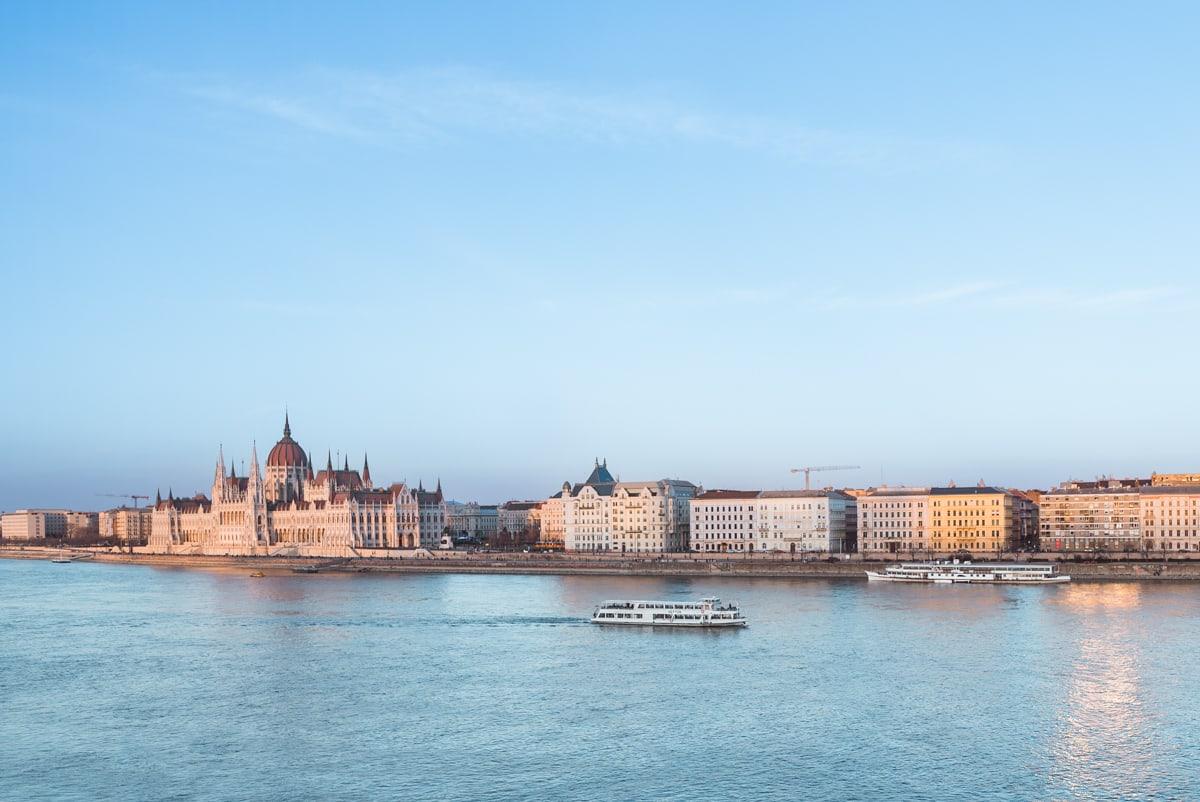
(489,242)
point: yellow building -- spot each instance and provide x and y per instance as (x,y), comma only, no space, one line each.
(126,524)
(974,519)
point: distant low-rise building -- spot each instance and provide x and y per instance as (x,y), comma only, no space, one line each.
(514,516)
(42,524)
(489,520)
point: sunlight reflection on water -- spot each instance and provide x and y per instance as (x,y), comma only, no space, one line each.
(130,682)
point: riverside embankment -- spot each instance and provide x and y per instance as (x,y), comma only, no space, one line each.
(770,566)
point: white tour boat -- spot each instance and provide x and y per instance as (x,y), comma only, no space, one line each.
(967,572)
(707,612)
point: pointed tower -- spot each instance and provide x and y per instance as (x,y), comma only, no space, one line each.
(157,497)
(254,484)
(328,462)
(346,463)
(218,488)
(366,474)
(256,501)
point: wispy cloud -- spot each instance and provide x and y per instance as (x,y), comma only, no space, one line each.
(907,299)
(1085,298)
(1009,296)
(286,110)
(446,104)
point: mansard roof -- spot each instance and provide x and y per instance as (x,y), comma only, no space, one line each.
(604,489)
(600,474)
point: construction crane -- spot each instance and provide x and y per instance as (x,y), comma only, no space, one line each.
(821,468)
(132,496)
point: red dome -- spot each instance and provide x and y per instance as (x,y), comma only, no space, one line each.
(287,452)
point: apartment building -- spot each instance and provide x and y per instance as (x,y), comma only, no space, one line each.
(1091,518)
(1170,517)
(893,520)
(824,521)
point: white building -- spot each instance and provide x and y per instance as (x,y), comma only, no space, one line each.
(288,510)
(514,516)
(431,511)
(463,518)
(894,519)
(602,514)
(1171,517)
(822,521)
(36,524)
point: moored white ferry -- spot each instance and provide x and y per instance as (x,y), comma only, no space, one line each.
(708,612)
(966,572)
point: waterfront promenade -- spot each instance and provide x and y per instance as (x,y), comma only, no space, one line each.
(1116,567)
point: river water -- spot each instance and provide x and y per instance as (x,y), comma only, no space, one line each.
(130,682)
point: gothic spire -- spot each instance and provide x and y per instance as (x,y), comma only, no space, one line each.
(346,463)
(366,474)
(287,426)
(329,461)
(157,496)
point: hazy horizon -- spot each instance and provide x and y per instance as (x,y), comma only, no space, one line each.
(490,243)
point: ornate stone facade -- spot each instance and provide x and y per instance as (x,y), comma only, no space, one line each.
(603,514)
(288,510)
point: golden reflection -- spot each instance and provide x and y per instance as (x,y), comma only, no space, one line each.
(1093,595)
(1103,737)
